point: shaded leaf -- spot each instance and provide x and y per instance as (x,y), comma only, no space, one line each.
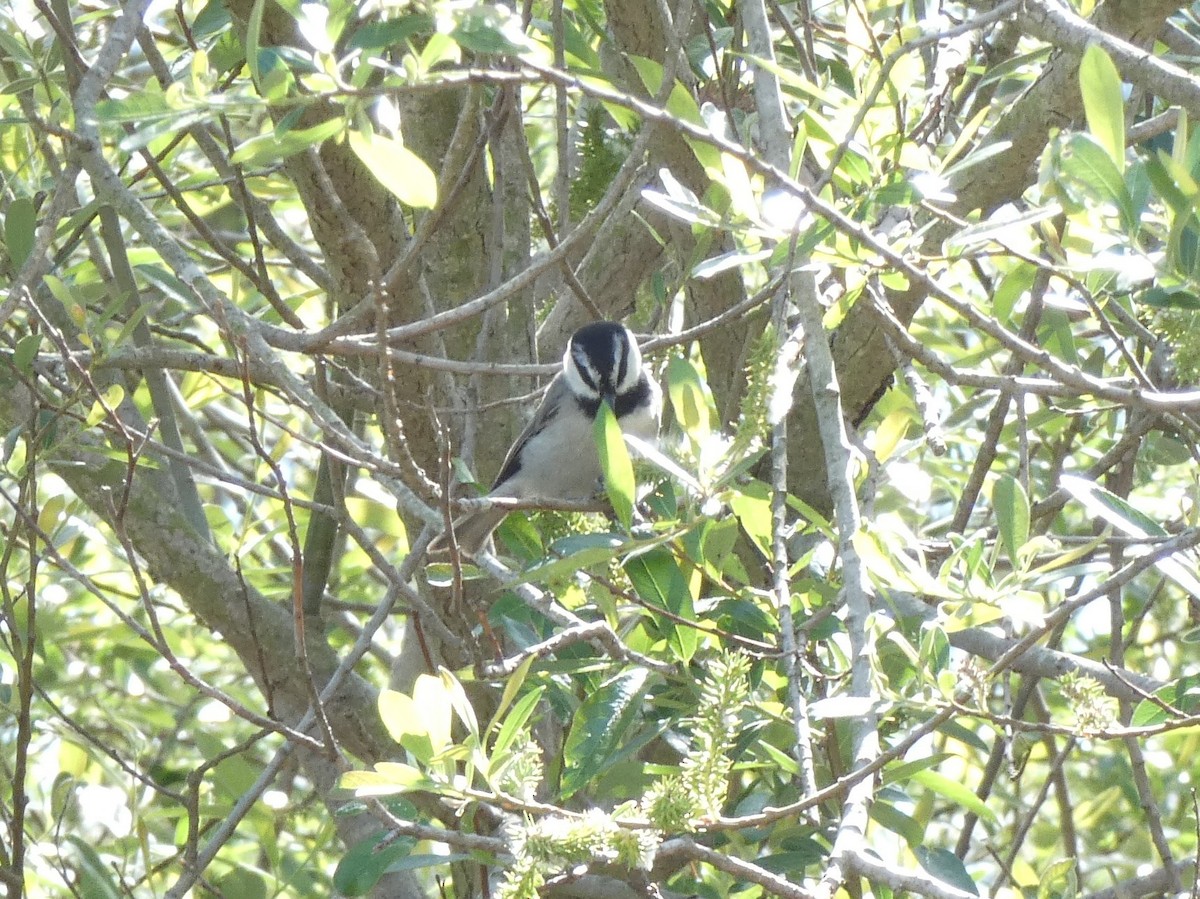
(20,223)
(946,867)
(598,727)
(367,861)
(1012,514)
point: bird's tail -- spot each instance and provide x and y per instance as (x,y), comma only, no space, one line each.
(471,532)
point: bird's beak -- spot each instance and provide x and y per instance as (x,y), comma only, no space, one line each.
(610,396)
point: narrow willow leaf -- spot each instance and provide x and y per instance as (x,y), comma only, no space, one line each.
(956,791)
(660,582)
(1183,694)
(598,728)
(1129,521)
(398,168)
(946,867)
(516,720)
(19,225)
(615,463)
(1012,514)
(387,778)
(686,390)
(367,861)
(1103,102)
(511,688)
(277,144)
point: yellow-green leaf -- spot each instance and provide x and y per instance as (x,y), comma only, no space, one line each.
(1104,102)
(278,144)
(111,399)
(614,462)
(431,700)
(386,779)
(685,388)
(397,168)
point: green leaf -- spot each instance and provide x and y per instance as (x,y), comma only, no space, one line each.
(432,703)
(112,398)
(1089,164)
(710,268)
(581,551)
(26,351)
(516,719)
(1059,880)
(387,778)
(681,104)
(367,861)
(95,877)
(689,398)
(946,867)
(886,814)
(389,34)
(660,582)
(282,143)
(406,725)
(751,503)
(1012,514)
(598,727)
(253,39)
(456,697)
(20,223)
(512,688)
(490,28)
(1183,694)
(615,463)
(956,791)
(1129,521)
(398,168)
(1103,102)
(1173,297)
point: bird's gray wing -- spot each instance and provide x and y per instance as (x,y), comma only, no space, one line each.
(556,394)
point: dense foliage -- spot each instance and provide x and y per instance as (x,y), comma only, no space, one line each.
(903,603)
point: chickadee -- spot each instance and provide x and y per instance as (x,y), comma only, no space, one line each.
(555,457)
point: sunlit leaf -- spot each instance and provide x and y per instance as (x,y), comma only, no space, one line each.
(278,145)
(1182,695)
(1129,521)
(685,388)
(954,790)
(388,778)
(398,168)
(660,582)
(751,503)
(619,483)
(431,703)
(1103,102)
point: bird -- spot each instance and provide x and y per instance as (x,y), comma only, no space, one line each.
(555,457)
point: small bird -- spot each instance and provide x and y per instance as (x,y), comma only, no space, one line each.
(555,457)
